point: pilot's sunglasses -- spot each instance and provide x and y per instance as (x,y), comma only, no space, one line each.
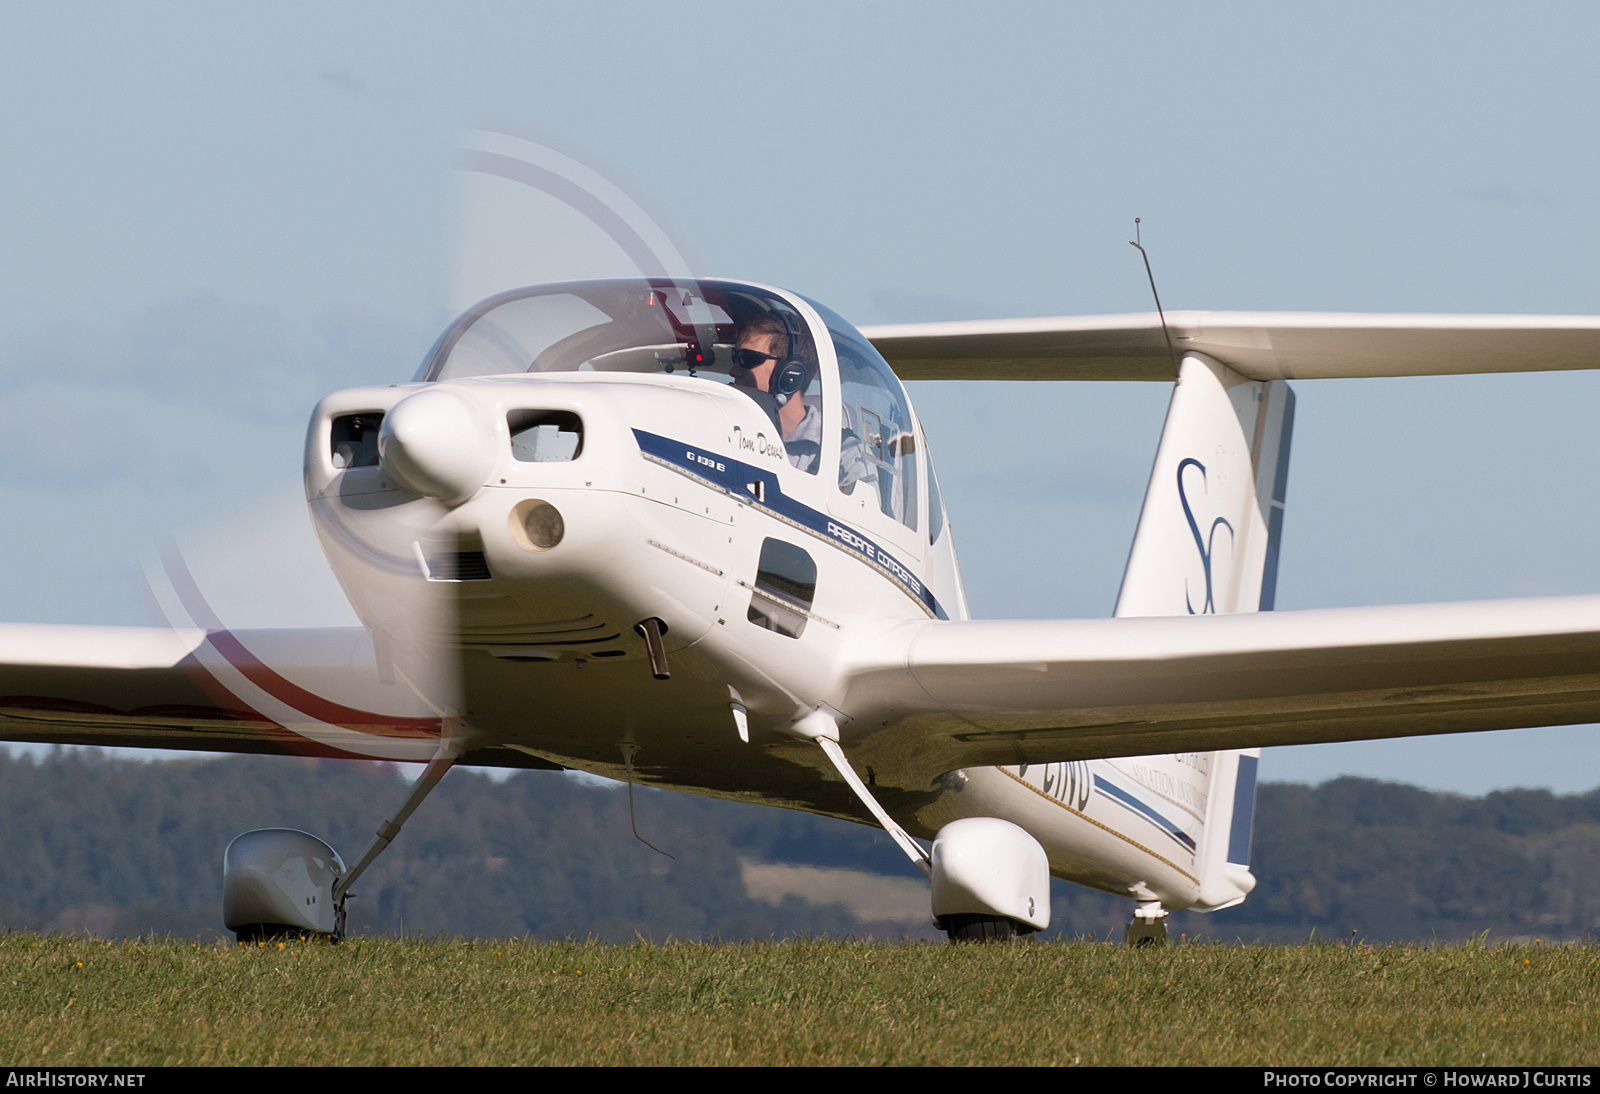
(752,358)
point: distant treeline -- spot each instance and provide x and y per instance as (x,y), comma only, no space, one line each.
(1389,861)
(117,848)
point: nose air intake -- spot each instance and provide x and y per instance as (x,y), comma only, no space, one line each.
(437,444)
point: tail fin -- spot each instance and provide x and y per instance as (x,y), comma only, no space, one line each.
(1207,541)
(1224,858)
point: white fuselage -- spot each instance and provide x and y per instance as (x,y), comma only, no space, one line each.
(665,511)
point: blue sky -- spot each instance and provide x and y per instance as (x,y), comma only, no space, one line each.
(215,214)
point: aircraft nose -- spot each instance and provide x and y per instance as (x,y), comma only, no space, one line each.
(438,444)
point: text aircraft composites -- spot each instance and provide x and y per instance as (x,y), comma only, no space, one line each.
(688,532)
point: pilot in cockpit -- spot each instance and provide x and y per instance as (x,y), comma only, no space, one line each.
(762,361)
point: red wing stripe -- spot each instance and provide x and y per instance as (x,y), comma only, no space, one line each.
(263,677)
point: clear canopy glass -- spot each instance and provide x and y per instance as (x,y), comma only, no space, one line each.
(714,330)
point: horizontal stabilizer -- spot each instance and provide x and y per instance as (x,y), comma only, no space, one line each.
(1257,345)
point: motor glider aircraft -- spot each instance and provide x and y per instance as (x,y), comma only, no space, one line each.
(688,532)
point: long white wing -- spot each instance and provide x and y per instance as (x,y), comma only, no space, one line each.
(935,696)
(1259,345)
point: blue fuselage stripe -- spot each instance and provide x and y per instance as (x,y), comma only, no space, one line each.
(737,479)
(1122,797)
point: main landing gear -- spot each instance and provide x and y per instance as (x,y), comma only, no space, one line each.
(991,879)
(969,927)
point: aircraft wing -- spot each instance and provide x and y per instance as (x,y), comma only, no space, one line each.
(1258,345)
(994,692)
(158,687)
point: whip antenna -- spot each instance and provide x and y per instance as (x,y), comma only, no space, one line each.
(1165,333)
(628,749)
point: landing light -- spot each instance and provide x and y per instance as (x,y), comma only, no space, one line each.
(536,524)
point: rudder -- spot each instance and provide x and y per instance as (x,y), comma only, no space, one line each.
(1209,532)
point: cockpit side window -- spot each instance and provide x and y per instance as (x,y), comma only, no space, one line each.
(878,447)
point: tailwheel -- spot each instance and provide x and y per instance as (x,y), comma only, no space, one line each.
(971,927)
(1148,926)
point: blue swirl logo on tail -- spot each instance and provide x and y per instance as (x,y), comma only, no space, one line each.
(1203,544)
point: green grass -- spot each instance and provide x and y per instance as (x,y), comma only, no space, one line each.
(383,1001)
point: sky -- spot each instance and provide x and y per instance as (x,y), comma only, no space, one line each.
(215,214)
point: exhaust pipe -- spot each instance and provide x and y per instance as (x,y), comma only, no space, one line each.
(652,629)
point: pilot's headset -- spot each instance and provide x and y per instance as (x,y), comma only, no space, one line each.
(792,373)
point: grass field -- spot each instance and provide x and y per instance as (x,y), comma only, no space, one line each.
(386,1001)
